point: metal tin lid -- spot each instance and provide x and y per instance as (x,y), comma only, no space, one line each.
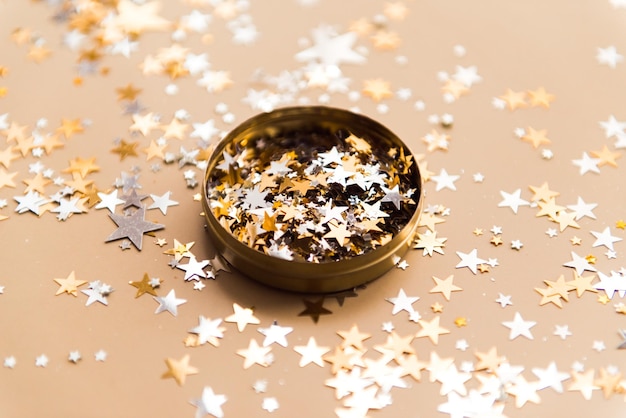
(312,199)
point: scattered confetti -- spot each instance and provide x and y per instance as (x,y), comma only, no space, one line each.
(122,124)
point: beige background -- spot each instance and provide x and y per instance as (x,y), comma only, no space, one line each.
(517,45)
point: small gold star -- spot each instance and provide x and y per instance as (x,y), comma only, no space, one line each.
(565,219)
(542,192)
(603,299)
(82,166)
(269,223)
(583,382)
(339,360)
(536,138)
(6,179)
(396,11)
(385,40)
(37,183)
(412,366)
(179,369)
(489,360)
(540,97)
(51,142)
(436,307)
(483,268)
(396,345)
(606,156)
(175,70)
(575,240)
(514,100)
(7,157)
(582,284)
(191,340)
(154,150)
(174,129)
(78,183)
(38,53)
(339,232)
(559,287)
(361,27)
(431,329)
(591,259)
(127,93)
(608,382)
(15,132)
(455,88)
(243,317)
(445,287)
(70,127)
(24,144)
(621,224)
(496,240)
(460,321)
(378,89)
(180,250)
(144,286)
(353,338)
(429,220)
(548,296)
(69,285)
(549,208)
(126,149)
(91,194)
(137,18)
(21,35)
(478,232)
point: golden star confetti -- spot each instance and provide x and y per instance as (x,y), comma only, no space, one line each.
(69,285)
(179,369)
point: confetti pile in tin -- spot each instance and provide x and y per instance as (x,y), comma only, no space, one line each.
(314,196)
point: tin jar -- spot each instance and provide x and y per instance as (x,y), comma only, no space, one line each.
(294,136)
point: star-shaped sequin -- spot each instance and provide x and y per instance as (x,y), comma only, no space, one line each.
(519,327)
(69,285)
(144,286)
(242,317)
(179,369)
(402,302)
(209,403)
(132,227)
(168,303)
(311,353)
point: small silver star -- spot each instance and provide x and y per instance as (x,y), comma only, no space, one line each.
(162,202)
(41,361)
(10,362)
(169,303)
(74,356)
(100,355)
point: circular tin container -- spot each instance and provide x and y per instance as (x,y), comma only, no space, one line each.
(301,275)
